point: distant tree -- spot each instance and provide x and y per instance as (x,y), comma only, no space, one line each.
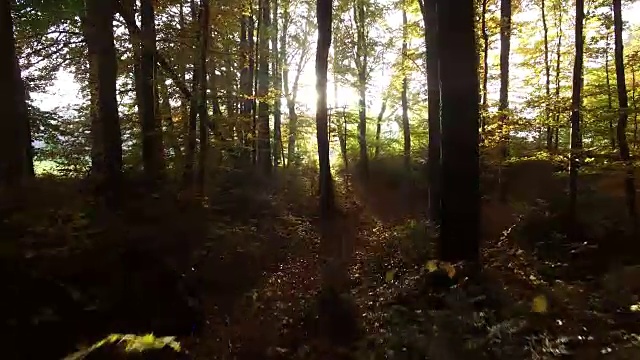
(263,132)
(576,143)
(203,109)
(503,108)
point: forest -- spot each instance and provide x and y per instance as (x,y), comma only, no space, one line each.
(328,179)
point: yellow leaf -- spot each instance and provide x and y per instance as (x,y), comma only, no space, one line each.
(388,277)
(448,268)
(539,304)
(431,265)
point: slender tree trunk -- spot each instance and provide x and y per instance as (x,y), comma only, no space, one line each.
(430,18)
(505,47)
(547,76)
(629,182)
(167,120)
(203,110)
(152,148)
(264,139)
(277,84)
(635,106)
(612,132)
(575,112)
(362,67)
(15,166)
(485,67)
(324,14)
(376,152)
(460,228)
(192,134)
(406,130)
(558,63)
(246,85)
(256,77)
(100,14)
(97,156)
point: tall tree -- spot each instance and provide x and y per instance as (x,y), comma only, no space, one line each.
(460,230)
(576,144)
(361,60)
(246,82)
(14,127)
(192,135)
(203,109)
(503,108)
(559,11)
(612,132)
(430,17)
(547,75)
(264,141)
(324,17)
(152,148)
(623,102)
(485,65)
(102,50)
(406,130)
(276,72)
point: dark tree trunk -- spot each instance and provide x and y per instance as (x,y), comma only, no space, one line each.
(202,109)
(575,112)
(362,67)
(503,108)
(629,182)
(635,106)
(376,152)
(101,44)
(14,126)
(246,85)
(277,84)
(97,157)
(558,63)
(430,18)
(192,133)
(264,138)
(152,148)
(406,131)
(547,76)
(171,134)
(256,76)
(612,131)
(460,228)
(485,67)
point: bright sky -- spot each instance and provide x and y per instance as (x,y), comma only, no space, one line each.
(65,91)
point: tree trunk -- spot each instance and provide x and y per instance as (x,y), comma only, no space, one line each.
(256,77)
(152,148)
(14,127)
(167,119)
(405,88)
(362,67)
(246,85)
(558,63)
(376,152)
(430,17)
(612,132)
(192,134)
(460,230)
(547,76)
(635,106)
(97,157)
(203,111)
(575,112)
(277,84)
(629,183)
(264,138)
(485,67)
(503,110)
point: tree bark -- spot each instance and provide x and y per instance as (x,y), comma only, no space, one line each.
(192,133)
(202,109)
(362,67)
(503,109)
(460,228)
(558,63)
(612,131)
(629,183)
(547,76)
(14,127)
(264,139)
(406,130)
(575,112)
(277,85)
(324,16)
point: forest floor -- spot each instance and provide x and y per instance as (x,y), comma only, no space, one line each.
(239,278)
